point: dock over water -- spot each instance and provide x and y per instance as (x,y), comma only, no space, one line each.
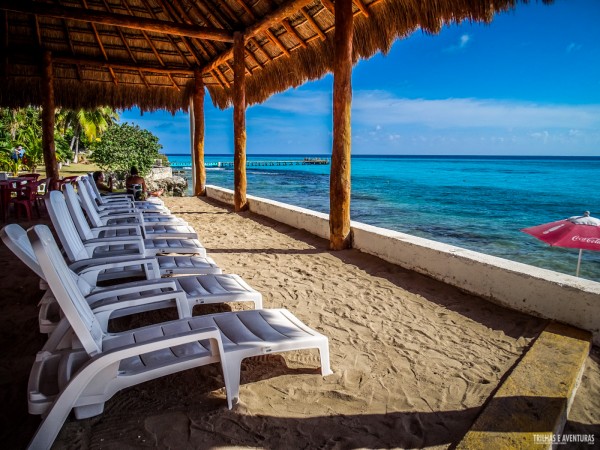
(294,162)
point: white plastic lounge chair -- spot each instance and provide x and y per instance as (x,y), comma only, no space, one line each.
(113,196)
(195,290)
(81,255)
(98,364)
(108,231)
(60,216)
(15,238)
(118,218)
(98,271)
(119,203)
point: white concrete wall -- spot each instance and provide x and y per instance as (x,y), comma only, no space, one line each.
(522,287)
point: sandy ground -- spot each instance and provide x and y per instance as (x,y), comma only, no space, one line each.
(414,360)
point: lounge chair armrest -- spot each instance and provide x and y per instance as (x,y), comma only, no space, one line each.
(126,215)
(83,263)
(101,293)
(131,350)
(179,296)
(116,200)
(150,266)
(92,244)
(116,209)
(127,226)
(117,195)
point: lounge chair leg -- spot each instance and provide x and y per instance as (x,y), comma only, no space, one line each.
(59,410)
(87,411)
(232,368)
(324,354)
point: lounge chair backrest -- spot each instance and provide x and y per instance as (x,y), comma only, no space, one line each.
(65,290)
(94,188)
(15,238)
(76,213)
(88,205)
(64,226)
(90,190)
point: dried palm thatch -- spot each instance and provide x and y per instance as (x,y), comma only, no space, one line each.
(126,53)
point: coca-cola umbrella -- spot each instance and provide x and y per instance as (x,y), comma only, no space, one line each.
(582,232)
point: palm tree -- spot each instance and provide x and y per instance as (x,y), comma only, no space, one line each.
(85,123)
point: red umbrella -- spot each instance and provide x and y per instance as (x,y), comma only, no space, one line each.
(582,232)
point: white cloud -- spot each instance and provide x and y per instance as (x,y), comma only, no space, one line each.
(299,102)
(573,47)
(372,108)
(463,41)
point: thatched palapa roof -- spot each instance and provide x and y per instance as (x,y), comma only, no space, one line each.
(124,53)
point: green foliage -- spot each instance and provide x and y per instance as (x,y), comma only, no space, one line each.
(125,145)
(164,159)
(34,155)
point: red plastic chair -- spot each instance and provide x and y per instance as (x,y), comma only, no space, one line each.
(33,176)
(67,180)
(26,192)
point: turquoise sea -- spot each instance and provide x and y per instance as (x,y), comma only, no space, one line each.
(476,202)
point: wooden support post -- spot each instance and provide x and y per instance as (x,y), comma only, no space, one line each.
(339,183)
(48,147)
(198,143)
(239,123)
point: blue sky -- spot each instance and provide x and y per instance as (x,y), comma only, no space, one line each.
(527,84)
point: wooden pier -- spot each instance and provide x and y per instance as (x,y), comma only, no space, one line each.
(294,162)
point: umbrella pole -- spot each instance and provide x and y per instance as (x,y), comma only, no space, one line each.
(579,262)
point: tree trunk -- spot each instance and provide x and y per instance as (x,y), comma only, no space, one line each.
(76,157)
(48,146)
(198,143)
(239,124)
(339,185)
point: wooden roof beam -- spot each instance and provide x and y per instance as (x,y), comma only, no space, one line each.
(71,47)
(119,20)
(255,42)
(361,6)
(4,35)
(171,39)
(102,49)
(218,18)
(121,65)
(277,42)
(153,47)
(247,9)
(314,25)
(171,12)
(284,11)
(329,5)
(216,77)
(290,29)
(186,18)
(253,58)
(126,44)
(38,32)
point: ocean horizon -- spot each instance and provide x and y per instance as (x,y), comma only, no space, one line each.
(478,202)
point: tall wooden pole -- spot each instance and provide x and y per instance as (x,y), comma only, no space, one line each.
(339,182)
(198,142)
(48,147)
(239,124)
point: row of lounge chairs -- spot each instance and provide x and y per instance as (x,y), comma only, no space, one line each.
(82,364)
